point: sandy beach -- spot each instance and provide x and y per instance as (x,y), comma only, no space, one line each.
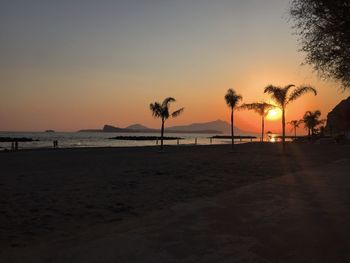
(65,204)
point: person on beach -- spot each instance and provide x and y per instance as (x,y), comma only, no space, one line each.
(16,145)
(12,146)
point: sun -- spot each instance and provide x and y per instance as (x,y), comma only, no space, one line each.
(274,114)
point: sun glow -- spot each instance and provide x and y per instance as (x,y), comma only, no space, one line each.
(274,114)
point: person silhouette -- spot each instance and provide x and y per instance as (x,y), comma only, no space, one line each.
(16,145)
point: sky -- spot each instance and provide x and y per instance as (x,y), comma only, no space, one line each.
(77,64)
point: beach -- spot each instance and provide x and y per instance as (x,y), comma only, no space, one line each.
(66,199)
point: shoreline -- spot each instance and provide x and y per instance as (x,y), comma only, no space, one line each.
(69,140)
(132,147)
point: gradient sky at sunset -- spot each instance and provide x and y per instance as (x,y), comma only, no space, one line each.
(67,65)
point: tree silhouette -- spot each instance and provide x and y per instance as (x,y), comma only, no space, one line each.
(324,30)
(232,99)
(283,98)
(311,120)
(295,124)
(161,110)
(262,108)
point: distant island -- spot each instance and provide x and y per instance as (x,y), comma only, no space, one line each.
(213,127)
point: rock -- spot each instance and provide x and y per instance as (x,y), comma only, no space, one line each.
(13,139)
(338,120)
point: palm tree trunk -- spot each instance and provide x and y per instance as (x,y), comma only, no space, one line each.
(295,132)
(161,135)
(283,128)
(262,129)
(232,131)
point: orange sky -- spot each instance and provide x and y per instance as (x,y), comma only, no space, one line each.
(67,108)
(90,67)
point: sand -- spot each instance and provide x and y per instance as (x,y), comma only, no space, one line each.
(188,204)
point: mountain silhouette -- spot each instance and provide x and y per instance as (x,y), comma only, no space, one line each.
(138,126)
(212,127)
(218,125)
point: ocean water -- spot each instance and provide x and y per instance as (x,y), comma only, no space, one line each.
(100,139)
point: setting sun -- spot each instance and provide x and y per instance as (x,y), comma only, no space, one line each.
(274,114)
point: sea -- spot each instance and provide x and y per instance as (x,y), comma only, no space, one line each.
(101,139)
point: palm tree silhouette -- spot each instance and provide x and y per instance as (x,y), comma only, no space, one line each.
(295,124)
(311,120)
(262,108)
(161,110)
(283,98)
(232,99)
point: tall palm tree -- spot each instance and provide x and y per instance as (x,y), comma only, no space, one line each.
(283,98)
(161,110)
(311,120)
(295,124)
(232,99)
(262,108)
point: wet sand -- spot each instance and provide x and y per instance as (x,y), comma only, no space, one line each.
(188,204)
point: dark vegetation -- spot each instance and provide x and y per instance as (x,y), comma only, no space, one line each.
(324,30)
(162,111)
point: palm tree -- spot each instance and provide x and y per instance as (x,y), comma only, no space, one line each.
(311,120)
(232,99)
(262,108)
(283,98)
(161,110)
(295,124)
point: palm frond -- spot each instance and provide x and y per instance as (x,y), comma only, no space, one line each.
(295,123)
(161,110)
(177,112)
(311,119)
(307,113)
(232,98)
(288,87)
(166,101)
(278,94)
(271,89)
(156,109)
(301,91)
(261,108)
(317,113)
